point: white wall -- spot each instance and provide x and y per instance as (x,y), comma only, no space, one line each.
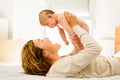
(7,12)
(24,15)
(4,28)
(23,25)
(26,25)
(107,17)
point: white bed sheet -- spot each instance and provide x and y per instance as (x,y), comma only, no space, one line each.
(15,72)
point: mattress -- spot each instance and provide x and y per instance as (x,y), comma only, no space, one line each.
(10,71)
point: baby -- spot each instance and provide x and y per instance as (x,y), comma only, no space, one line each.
(51,19)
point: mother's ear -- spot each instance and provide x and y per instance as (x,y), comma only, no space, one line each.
(46,53)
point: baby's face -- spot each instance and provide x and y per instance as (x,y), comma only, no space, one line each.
(51,22)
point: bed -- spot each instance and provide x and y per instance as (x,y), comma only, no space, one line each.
(14,71)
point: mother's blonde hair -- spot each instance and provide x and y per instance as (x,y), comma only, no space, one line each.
(33,61)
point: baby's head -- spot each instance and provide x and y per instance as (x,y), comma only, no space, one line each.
(47,18)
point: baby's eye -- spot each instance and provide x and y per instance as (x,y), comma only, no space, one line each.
(47,24)
(38,39)
(41,40)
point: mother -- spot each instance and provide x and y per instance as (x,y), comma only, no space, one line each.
(40,57)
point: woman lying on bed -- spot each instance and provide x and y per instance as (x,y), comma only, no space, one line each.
(40,57)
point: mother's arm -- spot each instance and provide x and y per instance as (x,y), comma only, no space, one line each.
(70,18)
(76,63)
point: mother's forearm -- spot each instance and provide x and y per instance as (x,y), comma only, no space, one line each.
(90,45)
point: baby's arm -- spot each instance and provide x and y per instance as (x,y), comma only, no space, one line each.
(62,34)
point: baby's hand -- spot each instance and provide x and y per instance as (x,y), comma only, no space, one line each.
(66,43)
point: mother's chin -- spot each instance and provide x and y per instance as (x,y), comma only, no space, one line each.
(57,46)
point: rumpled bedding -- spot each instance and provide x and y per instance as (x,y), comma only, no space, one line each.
(12,71)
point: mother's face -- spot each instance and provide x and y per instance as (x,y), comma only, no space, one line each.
(46,44)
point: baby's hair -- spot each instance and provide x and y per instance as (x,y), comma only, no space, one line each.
(47,11)
(43,14)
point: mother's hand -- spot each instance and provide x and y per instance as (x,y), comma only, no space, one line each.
(70,18)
